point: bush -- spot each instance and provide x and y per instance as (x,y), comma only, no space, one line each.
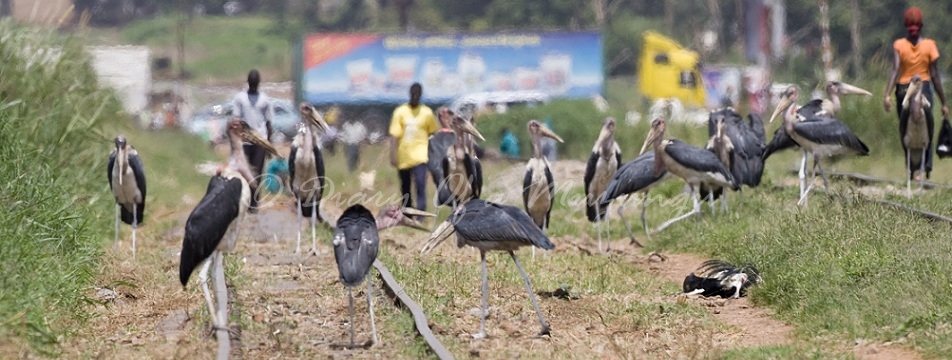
(50,113)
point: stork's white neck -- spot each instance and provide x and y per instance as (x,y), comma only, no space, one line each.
(237,160)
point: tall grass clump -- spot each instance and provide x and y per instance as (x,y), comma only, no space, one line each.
(50,183)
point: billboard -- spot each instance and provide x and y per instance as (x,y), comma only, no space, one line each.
(367,68)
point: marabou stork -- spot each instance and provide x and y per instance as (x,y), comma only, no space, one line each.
(437,151)
(830,107)
(127,182)
(306,170)
(634,176)
(356,242)
(693,164)
(601,167)
(719,278)
(916,138)
(819,134)
(462,172)
(748,139)
(722,147)
(489,226)
(212,227)
(538,186)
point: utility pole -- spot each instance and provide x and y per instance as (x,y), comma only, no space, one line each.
(855,37)
(827,56)
(180,37)
(669,16)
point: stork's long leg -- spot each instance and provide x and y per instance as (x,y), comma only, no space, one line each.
(203,278)
(115,243)
(644,221)
(221,295)
(598,226)
(545,327)
(803,174)
(350,296)
(135,221)
(724,202)
(297,249)
(696,210)
(482,317)
(816,163)
(621,215)
(370,305)
(909,173)
(696,196)
(314,227)
(710,200)
(922,170)
(608,227)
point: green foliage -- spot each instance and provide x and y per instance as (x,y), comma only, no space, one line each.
(218,47)
(50,113)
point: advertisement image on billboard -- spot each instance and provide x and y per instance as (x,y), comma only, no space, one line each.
(367,68)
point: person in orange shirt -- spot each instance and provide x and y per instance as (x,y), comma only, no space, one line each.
(410,127)
(915,55)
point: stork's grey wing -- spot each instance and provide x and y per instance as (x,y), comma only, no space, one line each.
(696,158)
(781,141)
(291,159)
(208,222)
(486,221)
(526,186)
(436,150)
(830,132)
(551,181)
(635,175)
(319,166)
(112,163)
(356,243)
(138,171)
(589,175)
(756,124)
(812,108)
(478,177)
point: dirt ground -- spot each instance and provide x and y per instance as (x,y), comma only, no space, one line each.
(292,306)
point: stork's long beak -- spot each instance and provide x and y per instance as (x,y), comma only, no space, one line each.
(847,89)
(468,127)
(602,136)
(544,131)
(121,162)
(252,136)
(784,103)
(411,222)
(314,118)
(441,233)
(652,136)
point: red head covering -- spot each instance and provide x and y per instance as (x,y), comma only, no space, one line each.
(913,16)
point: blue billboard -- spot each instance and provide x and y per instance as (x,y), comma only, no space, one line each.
(366,68)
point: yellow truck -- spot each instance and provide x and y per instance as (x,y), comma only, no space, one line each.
(668,70)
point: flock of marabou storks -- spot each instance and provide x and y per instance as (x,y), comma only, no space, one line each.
(733,157)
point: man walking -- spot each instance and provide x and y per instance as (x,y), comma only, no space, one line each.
(254,107)
(410,127)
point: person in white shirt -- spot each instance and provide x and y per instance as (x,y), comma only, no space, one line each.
(254,107)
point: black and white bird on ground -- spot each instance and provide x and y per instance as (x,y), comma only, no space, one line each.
(720,278)
(693,164)
(488,227)
(915,138)
(213,226)
(356,241)
(818,134)
(127,182)
(601,167)
(306,170)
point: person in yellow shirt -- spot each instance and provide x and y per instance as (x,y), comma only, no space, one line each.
(410,129)
(915,55)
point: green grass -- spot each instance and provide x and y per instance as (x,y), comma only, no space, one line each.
(217,48)
(51,177)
